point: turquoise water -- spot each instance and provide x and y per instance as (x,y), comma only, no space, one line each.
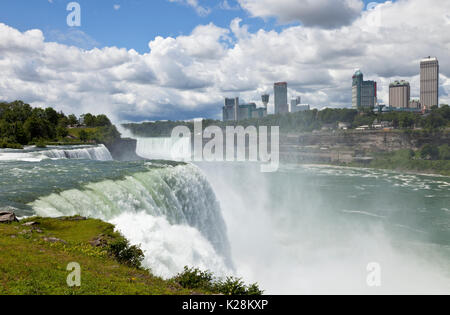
(303,229)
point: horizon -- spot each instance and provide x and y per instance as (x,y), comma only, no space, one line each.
(184,58)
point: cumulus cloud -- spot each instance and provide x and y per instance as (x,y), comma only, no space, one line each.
(315,13)
(188,76)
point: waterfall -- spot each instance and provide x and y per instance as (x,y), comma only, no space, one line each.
(172,212)
(98,153)
(164,148)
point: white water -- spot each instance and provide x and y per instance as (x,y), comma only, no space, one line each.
(164,148)
(98,153)
(172,212)
(286,243)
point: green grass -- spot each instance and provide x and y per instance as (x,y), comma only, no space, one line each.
(408,160)
(29,265)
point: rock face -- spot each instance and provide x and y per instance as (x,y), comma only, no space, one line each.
(8,217)
(124,149)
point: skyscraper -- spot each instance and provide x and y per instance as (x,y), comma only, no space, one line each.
(399,94)
(281,98)
(364,93)
(429,82)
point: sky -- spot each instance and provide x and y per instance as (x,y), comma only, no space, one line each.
(139,60)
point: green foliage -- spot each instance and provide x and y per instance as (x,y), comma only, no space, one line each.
(20,124)
(31,265)
(194,278)
(429,152)
(121,250)
(308,121)
(96,121)
(41,144)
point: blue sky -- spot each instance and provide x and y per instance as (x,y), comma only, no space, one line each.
(132,25)
(204,50)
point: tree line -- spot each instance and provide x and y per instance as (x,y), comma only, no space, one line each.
(21,124)
(308,121)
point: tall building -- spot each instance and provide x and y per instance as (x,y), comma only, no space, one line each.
(364,93)
(294,103)
(265,99)
(281,98)
(399,94)
(233,111)
(429,82)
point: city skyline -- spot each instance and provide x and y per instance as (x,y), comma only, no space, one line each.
(184,70)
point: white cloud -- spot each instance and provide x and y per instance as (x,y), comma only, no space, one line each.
(116,7)
(188,76)
(201,10)
(316,13)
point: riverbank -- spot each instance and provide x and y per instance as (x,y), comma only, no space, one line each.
(37,252)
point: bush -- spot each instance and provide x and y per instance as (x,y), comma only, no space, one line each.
(194,278)
(121,250)
(41,144)
(235,286)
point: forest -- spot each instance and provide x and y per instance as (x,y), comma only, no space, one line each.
(21,124)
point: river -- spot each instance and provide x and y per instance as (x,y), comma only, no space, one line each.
(303,230)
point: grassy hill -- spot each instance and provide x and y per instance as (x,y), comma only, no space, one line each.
(33,260)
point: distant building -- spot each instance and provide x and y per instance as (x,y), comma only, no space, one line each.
(429,82)
(281,98)
(233,111)
(364,93)
(399,94)
(230,109)
(265,98)
(415,104)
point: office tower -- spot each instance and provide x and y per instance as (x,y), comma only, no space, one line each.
(265,99)
(399,94)
(231,109)
(281,99)
(364,93)
(429,82)
(294,102)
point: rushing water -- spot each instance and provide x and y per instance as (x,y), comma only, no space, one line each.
(303,229)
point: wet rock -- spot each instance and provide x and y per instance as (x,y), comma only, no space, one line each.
(8,217)
(99,241)
(30,224)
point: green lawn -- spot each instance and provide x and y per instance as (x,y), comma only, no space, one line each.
(30,265)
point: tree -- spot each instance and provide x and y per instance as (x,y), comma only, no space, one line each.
(430,152)
(83,135)
(72,120)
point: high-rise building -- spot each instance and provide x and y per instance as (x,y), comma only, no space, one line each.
(233,111)
(294,102)
(281,98)
(429,82)
(265,99)
(399,94)
(364,93)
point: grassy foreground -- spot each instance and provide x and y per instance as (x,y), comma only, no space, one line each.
(33,261)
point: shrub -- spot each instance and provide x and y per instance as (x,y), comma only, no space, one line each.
(41,144)
(235,286)
(194,278)
(121,250)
